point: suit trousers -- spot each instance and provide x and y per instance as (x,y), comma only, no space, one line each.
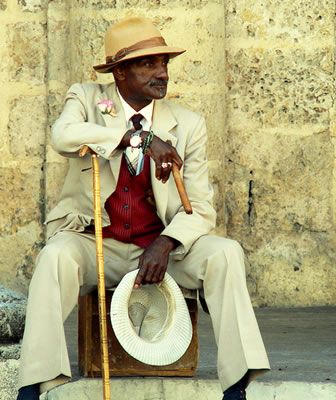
(66,267)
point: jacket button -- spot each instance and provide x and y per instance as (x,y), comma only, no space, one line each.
(127,226)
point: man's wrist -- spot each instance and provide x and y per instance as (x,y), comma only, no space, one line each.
(147,140)
(125,141)
(170,242)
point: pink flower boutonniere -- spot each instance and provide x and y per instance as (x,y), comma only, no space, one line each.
(106,106)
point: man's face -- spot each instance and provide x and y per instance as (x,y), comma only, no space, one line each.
(145,79)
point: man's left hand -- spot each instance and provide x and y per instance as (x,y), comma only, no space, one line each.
(164,155)
(154,261)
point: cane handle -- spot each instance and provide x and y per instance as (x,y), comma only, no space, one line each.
(85,150)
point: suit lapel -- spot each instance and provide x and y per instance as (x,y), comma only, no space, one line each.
(163,122)
(117,122)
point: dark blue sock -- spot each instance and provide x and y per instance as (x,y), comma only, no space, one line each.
(30,392)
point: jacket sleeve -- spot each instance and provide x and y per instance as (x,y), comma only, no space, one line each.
(188,228)
(72,130)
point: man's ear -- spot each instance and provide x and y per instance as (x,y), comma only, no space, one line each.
(119,72)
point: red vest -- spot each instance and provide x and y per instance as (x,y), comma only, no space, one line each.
(133,218)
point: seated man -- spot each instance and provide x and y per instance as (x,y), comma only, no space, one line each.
(138,135)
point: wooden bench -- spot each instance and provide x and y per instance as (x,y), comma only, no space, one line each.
(121,363)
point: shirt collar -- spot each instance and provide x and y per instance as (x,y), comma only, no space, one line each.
(146,112)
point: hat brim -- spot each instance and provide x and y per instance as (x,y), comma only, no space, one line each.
(169,348)
(171,51)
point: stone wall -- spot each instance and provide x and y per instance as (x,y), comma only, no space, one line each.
(23,121)
(280,146)
(260,71)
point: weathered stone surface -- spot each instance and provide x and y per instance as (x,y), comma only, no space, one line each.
(3,4)
(291,189)
(295,269)
(55,105)
(27,51)
(27,126)
(59,52)
(20,222)
(10,352)
(280,19)
(8,379)
(186,5)
(96,4)
(20,191)
(19,251)
(12,315)
(279,86)
(88,36)
(32,5)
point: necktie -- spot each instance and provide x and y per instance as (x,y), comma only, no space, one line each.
(136,118)
(134,156)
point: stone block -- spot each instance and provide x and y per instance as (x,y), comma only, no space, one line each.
(295,270)
(27,52)
(20,192)
(27,126)
(32,6)
(294,21)
(88,40)
(279,86)
(59,51)
(19,251)
(55,102)
(12,315)
(288,189)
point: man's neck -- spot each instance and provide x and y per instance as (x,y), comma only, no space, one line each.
(147,111)
(136,104)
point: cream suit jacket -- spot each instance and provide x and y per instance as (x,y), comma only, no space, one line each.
(82,123)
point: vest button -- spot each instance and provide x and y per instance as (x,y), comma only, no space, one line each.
(127,226)
(125,206)
(125,188)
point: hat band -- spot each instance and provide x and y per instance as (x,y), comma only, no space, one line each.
(144,44)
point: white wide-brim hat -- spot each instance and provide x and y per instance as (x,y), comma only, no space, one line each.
(152,323)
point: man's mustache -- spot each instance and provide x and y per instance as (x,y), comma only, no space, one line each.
(159,82)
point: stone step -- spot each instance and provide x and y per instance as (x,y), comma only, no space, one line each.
(300,344)
(188,389)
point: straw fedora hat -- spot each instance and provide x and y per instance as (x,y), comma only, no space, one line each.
(132,38)
(152,323)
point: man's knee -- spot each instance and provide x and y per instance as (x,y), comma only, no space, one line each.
(223,255)
(57,256)
(218,244)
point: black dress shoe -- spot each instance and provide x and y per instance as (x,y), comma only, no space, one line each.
(237,391)
(30,392)
(235,395)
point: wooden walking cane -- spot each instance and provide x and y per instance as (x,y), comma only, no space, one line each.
(100,272)
(181,189)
